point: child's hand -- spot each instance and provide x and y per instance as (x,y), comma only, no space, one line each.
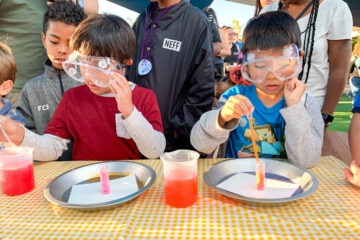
(235,107)
(245,154)
(14,130)
(120,87)
(353,175)
(293,91)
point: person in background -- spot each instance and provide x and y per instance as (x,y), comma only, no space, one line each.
(233,59)
(41,94)
(260,4)
(326,33)
(210,14)
(21,26)
(225,51)
(222,84)
(108,118)
(218,45)
(174,57)
(353,174)
(288,120)
(7,79)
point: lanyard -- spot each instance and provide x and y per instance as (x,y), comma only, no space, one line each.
(304,10)
(152,29)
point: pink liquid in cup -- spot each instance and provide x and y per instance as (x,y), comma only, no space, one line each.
(16,173)
(181,192)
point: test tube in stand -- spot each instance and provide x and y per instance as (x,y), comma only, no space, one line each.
(104,180)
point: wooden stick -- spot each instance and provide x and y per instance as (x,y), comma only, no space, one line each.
(253,138)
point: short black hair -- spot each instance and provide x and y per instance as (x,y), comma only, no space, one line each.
(64,11)
(105,36)
(271,30)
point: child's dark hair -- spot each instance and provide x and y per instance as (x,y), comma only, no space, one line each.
(308,44)
(105,36)
(63,11)
(271,30)
(7,64)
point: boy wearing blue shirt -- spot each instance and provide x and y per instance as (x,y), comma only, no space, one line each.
(288,121)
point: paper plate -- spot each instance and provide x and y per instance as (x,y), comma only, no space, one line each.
(58,190)
(275,169)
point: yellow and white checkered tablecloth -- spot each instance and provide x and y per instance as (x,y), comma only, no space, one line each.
(332,212)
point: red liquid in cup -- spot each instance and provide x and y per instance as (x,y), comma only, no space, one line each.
(180,192)
(17,177)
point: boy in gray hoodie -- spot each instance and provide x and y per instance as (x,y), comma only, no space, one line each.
(41,94)
(288,121)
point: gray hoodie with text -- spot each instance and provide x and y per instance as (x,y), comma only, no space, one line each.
(41,95)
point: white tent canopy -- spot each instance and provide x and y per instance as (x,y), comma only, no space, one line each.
(247,2)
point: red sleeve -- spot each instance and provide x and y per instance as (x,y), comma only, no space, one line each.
(150,110)
(59,123)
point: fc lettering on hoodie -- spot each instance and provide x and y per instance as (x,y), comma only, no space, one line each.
(43,107)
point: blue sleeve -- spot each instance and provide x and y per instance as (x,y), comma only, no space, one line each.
(356,108)
(16,116)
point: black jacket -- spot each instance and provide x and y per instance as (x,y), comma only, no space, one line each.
(182,76)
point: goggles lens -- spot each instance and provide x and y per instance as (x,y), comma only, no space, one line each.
(286,66)
(97,69)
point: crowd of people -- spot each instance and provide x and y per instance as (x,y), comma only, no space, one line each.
(90,87)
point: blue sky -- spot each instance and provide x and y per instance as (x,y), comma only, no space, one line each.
(226,11)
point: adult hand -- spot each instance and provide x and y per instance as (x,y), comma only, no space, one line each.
(14,130)
(293,91)
(123,95)
(235,107)
(353,175)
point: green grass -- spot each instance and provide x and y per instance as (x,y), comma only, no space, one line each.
(342,115)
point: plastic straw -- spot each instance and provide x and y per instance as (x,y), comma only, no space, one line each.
(250,117)
(6,136)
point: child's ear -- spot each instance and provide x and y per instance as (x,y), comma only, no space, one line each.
(43,39)
(6,87)
(302,53)
(128,62)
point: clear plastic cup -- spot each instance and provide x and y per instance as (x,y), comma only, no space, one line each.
(16,171)
(180,177)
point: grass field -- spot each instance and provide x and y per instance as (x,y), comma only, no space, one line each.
(342,115)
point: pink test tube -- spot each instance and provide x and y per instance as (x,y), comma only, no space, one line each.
(104,180)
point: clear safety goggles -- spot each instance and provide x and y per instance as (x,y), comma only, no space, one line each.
(286,66)
(97,69)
